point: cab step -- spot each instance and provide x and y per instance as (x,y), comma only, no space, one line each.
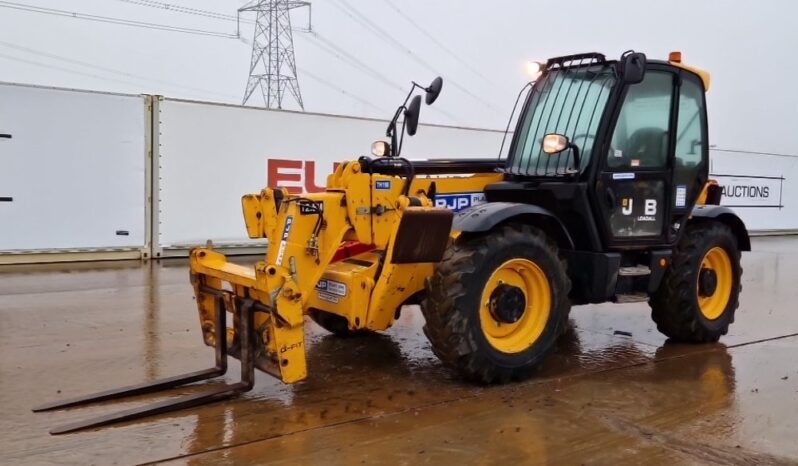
(631,298)
(634,271)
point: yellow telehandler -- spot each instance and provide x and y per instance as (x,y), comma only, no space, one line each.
(604,196)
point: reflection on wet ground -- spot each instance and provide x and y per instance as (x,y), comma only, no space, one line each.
(615,391)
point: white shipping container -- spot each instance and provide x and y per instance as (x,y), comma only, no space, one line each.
(73,172)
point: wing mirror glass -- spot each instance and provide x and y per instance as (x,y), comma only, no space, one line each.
(434,90)
(411,115)
(555,143)
(633,67)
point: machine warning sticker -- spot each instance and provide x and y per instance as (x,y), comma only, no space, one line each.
(623,176)
(331,287)
(311,208)
(382,185)
(330,298)
(286,230)
(681,195)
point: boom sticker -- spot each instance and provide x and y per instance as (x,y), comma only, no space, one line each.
(311,208)
(284,239)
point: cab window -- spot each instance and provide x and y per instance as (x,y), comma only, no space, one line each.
(640,138)
(690,139)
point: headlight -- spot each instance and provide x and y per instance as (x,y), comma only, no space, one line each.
(381,149)
(533,69)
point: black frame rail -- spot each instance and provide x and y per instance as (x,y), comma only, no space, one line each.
(245,333)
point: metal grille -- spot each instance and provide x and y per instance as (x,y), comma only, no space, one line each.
(569,99)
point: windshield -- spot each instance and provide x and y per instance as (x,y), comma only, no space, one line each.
(567,101)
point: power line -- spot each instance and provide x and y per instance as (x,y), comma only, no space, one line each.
(346,57)
(60,68)
(187,10)
(437,42)
(108,70)
(111,20)
(332,86)
(385,36)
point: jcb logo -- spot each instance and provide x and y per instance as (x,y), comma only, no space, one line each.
(651,207)
(626,205)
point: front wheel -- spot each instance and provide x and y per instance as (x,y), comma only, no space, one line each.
(700,291)
(497,303)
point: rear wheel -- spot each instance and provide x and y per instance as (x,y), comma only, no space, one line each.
(700,291)
(497,303)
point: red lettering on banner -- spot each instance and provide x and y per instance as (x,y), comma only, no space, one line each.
(310,177)
(295,175)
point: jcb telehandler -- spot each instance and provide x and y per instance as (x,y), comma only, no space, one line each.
(604,196)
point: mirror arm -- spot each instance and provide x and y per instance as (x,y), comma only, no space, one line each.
(401,139)
(575,150)
(391,131)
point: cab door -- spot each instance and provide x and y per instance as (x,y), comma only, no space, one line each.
(634,182)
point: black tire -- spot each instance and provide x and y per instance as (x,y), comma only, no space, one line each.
(674,306)
(454,292)
(335,324)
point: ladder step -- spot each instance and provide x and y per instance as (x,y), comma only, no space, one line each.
(631,298)
(634,271)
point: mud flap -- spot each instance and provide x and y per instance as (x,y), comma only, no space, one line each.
(422,235)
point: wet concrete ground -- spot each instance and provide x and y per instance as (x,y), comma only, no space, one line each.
(603,398)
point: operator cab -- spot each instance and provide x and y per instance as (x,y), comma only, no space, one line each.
(618,148)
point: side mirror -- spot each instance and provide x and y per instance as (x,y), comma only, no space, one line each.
(434,90)
(555,143)
(411,115)
(633,67)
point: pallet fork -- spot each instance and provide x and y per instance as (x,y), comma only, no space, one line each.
(246,342)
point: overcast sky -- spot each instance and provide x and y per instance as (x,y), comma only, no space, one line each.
(480,48)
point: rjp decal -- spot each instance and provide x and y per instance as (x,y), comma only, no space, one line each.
(284,239)
(459,201)
(382,185)
(331,286)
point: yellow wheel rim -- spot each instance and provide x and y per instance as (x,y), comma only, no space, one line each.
(521,334)
(717,260)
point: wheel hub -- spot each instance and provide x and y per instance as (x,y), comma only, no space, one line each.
(707,282)
(507,304)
